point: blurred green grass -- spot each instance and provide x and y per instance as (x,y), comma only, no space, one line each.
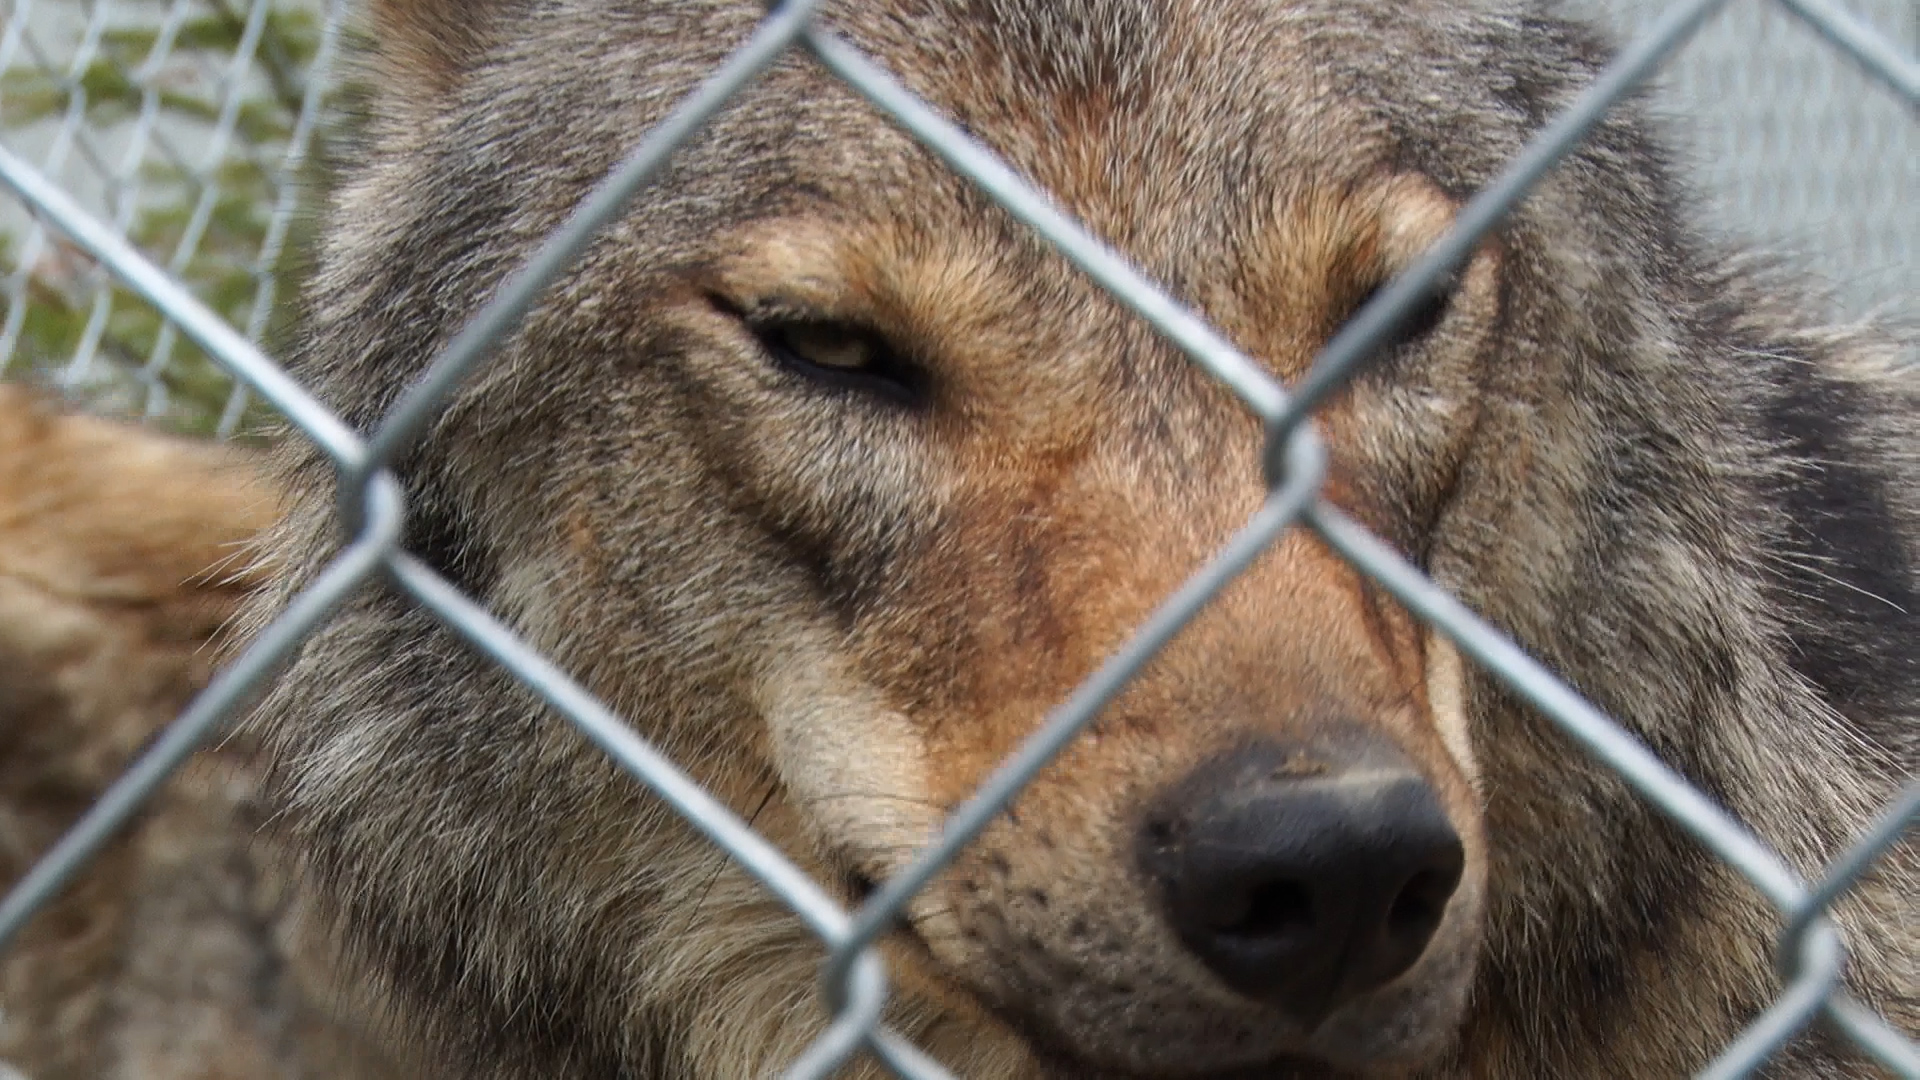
(209,229)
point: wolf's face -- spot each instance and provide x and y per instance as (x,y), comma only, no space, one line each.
(974,492)
(837,480)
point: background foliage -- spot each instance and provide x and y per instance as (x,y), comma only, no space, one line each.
(188,116)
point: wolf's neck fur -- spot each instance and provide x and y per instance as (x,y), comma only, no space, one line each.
(1702,516)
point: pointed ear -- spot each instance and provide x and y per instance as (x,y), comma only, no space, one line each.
(424,46)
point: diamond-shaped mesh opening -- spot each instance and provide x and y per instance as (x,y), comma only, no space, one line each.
(1795,148)
(185,125)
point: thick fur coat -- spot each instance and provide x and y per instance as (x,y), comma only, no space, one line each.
(832,479)
(173,955)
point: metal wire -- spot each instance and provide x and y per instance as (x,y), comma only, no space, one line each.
(206,124)
(854,983)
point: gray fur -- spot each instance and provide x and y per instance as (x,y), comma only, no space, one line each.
(1666,481)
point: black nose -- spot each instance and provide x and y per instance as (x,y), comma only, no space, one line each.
(1300,880)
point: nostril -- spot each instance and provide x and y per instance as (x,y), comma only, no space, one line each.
(1160,832)
(1272,910)
(1417,911)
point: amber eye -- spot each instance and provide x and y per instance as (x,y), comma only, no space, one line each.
(824,345)
(840,355)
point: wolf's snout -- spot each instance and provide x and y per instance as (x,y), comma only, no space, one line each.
(1300,879)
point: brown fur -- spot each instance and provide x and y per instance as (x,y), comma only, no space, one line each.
(122,554)
(840,606)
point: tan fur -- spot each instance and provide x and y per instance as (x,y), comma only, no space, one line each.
(122,555)
(1446,696)
(426,43)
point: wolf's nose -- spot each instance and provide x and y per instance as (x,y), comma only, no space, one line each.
(1301,882)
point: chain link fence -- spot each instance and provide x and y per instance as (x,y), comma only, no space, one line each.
(186,126)
(158,151)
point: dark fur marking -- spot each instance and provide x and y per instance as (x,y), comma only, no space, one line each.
(848,573)
(434,537)
(1844,569)
(437,965)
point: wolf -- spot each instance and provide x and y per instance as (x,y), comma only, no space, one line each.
(832,478)
(123,556)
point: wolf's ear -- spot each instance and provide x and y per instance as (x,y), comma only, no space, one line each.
(425,46)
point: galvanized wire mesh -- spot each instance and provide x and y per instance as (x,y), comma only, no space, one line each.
(99,269)
(1796,147)
(185,125)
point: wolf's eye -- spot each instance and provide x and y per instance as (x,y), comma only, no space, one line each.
(823,345)
(840,355)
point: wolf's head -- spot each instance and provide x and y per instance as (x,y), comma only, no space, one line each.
(834,479)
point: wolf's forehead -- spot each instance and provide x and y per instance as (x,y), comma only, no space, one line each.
(1160,125)
(1124,50)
